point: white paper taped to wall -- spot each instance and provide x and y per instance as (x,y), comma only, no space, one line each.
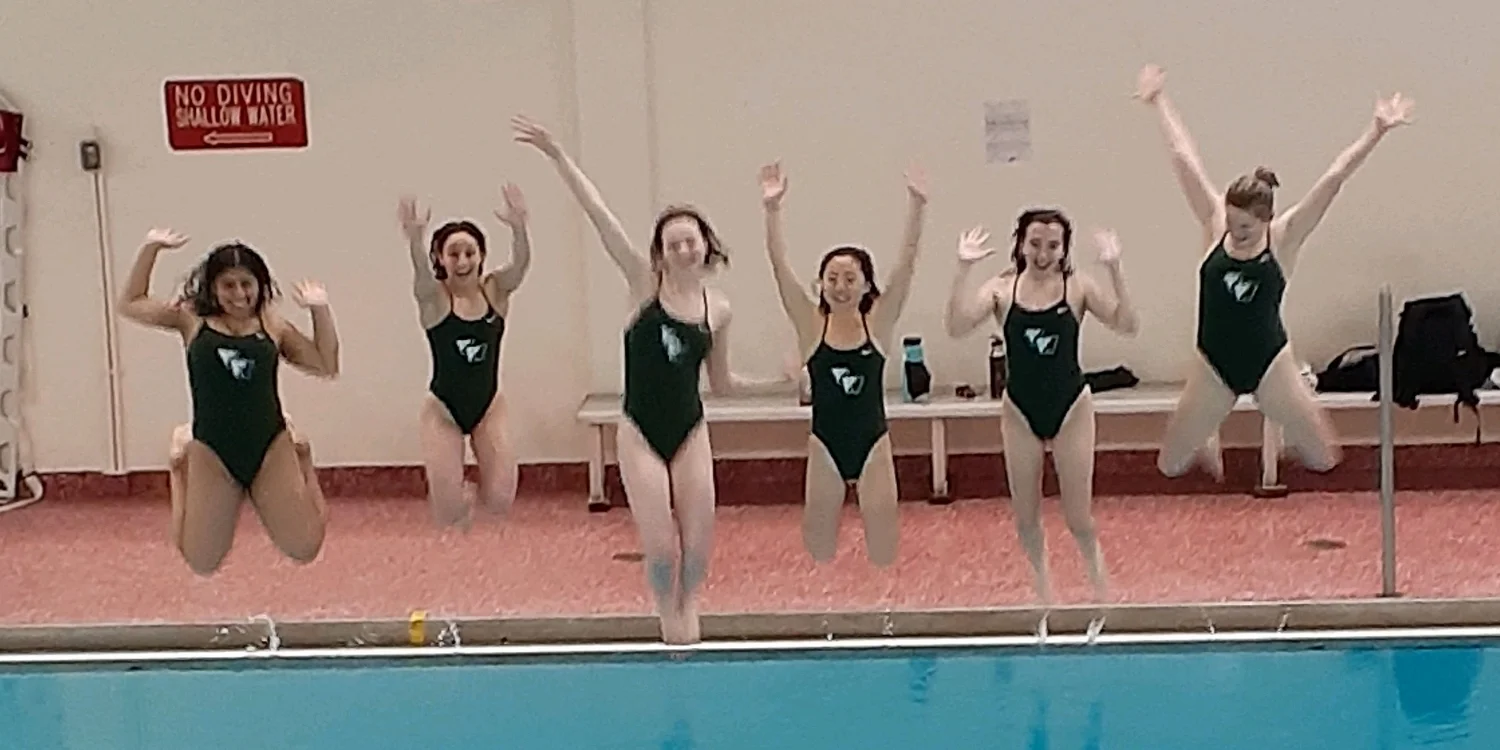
(1007,131)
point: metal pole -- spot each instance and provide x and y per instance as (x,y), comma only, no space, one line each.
(1386,346)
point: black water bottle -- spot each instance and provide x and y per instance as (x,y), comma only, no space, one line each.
(997,366)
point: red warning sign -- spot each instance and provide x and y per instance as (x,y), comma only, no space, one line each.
(236,113)
(11,142)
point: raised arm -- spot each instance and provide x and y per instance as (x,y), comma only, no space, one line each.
(1202,196)
(722,380)
(135,299)
(635,267)
(1303,218)
(898,285)
(318,356)
(1113,308)
(799,306)
(513,215)
(966,310)
(432,305)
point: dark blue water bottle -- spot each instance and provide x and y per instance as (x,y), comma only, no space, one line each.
(916,379)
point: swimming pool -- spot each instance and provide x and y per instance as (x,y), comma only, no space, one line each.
(1341,694)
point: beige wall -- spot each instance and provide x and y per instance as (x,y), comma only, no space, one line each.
(671,100)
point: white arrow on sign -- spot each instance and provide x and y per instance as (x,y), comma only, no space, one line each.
(215,138)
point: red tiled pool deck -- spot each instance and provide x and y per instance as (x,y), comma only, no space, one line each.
(83,560)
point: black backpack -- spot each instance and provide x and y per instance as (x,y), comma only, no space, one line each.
(1438,352)
(1356,370)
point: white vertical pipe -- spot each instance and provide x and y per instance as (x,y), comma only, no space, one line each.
(1386,348)
(1270,453)
(111,328)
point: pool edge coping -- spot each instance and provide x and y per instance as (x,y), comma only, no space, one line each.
(1142,623)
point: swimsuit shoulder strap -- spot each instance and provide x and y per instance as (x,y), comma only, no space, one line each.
(261,318)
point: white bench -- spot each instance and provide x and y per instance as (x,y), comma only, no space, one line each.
(602,411)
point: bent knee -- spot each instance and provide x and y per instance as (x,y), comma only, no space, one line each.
(305,554)
(1324,459)
(305,547)
(497,501)
(821,542)
(177,451)
(822,553)
(1173,466)
(449,510)
(447,492)
(202,560)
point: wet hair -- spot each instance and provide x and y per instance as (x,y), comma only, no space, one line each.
(1042,216)
(715,254)
(1255,193)
(440,238)
(198,289)
(866,267)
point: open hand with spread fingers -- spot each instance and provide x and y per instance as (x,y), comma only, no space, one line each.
(310,294)
(1393,112)
(772,185)
(973,245)
(165,239)
(1109,246)
(529,131)
(1149,83)
(512,212)
(413,217)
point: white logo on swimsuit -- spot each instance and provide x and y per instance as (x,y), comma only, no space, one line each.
(672,344)
(1046,346)
(472,350)
(1242,289)
(239,366)
(853,385)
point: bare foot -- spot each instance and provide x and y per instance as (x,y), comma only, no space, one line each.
(674,630)
(1096,626)
(692,625)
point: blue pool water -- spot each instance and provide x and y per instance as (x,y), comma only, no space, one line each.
(1349,697)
